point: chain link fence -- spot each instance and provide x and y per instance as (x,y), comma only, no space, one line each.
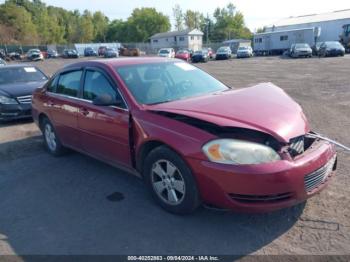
(145,48)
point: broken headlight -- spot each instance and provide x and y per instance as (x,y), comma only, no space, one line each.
(239,152)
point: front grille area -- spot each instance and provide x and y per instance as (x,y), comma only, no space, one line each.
(256,199)
(320,176)
(297,146)
(24,99)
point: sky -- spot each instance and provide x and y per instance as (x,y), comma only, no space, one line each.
(257,13)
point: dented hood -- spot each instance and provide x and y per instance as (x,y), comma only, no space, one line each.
(264,107)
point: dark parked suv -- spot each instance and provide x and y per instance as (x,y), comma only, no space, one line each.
(89,51)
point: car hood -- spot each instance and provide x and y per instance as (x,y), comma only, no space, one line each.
(20,89)
(265,108)
(303,50)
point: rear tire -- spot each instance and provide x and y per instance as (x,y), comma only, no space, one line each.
(52,142)
(170,181)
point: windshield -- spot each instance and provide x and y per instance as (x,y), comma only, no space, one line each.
(223,49)
(164,51)
(165,82)
(182,52)
(199,52)
(34,51)
(10,75)
(243,48)
(302,46)
(333,44)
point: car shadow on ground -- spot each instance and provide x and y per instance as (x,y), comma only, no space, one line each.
(17,122)
(77,205)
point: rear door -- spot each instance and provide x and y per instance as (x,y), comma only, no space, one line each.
(104,129)
(62,106)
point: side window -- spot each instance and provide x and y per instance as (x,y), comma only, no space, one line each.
(97,84)
(51,86)
(69,83)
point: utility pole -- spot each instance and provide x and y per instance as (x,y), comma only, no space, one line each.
(207,27)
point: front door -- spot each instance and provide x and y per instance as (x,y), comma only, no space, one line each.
(104,129)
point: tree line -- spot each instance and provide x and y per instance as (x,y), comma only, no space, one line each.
(33,22)
(227,23)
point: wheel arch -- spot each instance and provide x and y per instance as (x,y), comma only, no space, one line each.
(146,148)
(41,118)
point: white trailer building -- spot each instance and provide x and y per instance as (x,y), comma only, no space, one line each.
(277,42)
(192,39)
(331,24)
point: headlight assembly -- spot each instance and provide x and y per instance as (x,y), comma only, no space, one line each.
(239,152)
(7,100)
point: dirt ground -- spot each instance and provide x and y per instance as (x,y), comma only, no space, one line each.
(56,205)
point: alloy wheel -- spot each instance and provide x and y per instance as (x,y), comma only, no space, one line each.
(168,182)
(50,137)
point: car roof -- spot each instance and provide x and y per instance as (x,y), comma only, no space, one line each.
(119,62)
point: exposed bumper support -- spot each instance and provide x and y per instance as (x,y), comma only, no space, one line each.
(315,135)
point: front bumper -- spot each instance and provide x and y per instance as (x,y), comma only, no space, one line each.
(335,53)
(302,54)
(243,55)
(221,56)
(263,187)
(15,111)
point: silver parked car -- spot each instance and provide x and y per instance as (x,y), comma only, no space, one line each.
(223,52)
(111,52)
(300,50)
(244,51)
(35,55)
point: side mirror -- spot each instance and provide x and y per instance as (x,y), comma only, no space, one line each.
(104,100)
(108,100)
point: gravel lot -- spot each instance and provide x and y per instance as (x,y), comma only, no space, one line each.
(61,206)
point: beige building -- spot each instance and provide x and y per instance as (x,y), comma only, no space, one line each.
(192,39)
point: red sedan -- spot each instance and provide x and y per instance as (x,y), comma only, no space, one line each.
(192,139)
(183,55)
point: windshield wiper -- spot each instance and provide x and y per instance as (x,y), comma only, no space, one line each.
(161,102)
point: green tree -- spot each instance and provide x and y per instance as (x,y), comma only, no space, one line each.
(178,16)
(229,24)
(145,22)
(117,31)
(193,19)
(86,32)
(100,23)
(19,19)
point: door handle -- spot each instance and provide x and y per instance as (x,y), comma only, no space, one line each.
(84,111)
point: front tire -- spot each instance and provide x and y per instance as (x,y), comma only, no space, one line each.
(170,181)
(52,142)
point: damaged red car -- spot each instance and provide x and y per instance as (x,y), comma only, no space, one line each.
(190,137)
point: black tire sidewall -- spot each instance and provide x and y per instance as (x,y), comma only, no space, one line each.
(192,199)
